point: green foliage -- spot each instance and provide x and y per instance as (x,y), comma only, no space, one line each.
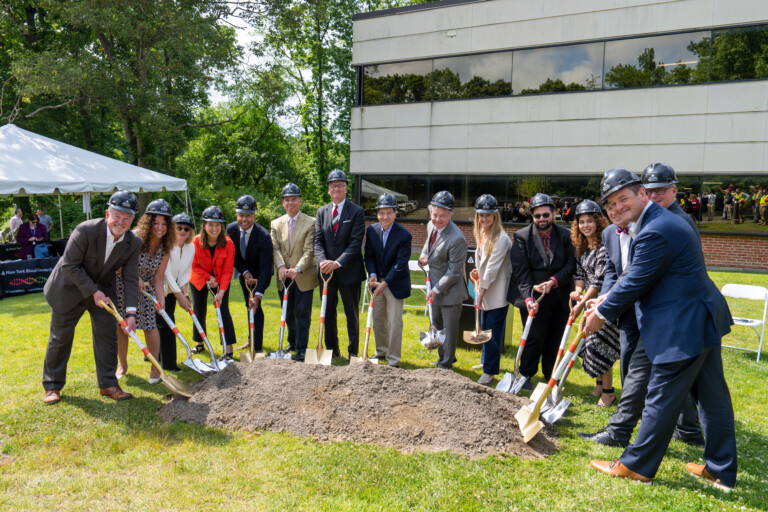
(555,86)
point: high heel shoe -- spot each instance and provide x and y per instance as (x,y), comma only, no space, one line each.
(610,400)
(198,349)
(598,388)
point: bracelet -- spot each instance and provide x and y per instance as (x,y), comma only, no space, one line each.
(129,315)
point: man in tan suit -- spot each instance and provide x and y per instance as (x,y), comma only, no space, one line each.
(292,237)
(83,277)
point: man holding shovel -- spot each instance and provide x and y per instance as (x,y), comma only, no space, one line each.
(253,261)
(445,251)
(681,317)
(294,258)
(80,281)
(387,250)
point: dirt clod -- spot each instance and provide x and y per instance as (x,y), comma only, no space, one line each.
(411,410)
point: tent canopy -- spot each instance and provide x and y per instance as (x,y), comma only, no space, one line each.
(371,190)
(33,164)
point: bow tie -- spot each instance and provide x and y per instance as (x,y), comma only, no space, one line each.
(622,230)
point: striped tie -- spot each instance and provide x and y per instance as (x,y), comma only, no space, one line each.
(335,220)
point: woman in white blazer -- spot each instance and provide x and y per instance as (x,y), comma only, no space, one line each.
(493,269)
(176,289)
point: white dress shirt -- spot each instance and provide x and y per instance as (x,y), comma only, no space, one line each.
(179,268)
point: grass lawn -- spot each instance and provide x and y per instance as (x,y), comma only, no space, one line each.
(89,453)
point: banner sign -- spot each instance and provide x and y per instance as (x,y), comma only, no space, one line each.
(25,276)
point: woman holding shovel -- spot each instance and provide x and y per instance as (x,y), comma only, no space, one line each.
(601,349)
(493,269)
(158,235)
(213,266)
(176,287)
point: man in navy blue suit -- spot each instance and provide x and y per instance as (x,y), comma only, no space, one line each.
(681,316)
(387,250)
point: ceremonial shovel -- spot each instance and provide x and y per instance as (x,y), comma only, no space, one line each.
(194,364)
(477,337)
(169,381)
(528,416)
(223,360)
(507,383)
(563,342)
(320,355)
(214,364)
(368,323)
(248,356)
(280,354)
(433,338)
(555,405)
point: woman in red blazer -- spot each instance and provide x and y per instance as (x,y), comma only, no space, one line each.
(213,265)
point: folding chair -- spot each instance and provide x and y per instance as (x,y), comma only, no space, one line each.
(745,291)
(413,266)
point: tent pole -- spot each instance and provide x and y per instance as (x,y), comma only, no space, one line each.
(61,220)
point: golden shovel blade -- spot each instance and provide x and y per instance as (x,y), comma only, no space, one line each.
(371,360)
(477,338)
(528,419)
(175,385)
(325,357)
(246,357)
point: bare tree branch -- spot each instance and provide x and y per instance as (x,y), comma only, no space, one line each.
(47,107)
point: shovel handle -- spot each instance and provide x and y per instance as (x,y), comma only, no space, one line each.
(109,306)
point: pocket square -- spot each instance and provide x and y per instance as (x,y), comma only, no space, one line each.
(344,222)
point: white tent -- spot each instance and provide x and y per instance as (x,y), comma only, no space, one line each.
(33,164)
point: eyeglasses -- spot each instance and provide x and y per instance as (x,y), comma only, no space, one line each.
(384,214)
(183,228)
(337,187)
(658,191)
(542,215)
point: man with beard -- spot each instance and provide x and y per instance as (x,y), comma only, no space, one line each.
(543,261)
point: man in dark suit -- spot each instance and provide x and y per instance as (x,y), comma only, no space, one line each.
(542,261)
(253,261)
(387,251)
(681,316)
(83,277)
(635,365)
(338,243)
(445,251)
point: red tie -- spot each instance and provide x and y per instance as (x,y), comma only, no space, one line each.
(432,239)
(335,219)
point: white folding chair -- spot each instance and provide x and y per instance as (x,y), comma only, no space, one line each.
(745,291)
(413,266)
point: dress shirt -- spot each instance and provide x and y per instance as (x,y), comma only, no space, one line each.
(439,232)
(384,235)
(110,244)
(178,269)
(339,208)
(295,220)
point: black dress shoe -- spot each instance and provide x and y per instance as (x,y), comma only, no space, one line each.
(605,438)
(691,439)
(527,385)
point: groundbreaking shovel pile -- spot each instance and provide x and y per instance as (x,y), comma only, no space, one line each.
(411,410)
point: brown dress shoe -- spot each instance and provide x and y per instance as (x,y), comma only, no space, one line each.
(52,396)
(616,468)
(700,471)
(115,393)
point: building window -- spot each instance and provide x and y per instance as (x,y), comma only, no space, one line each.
(664,60)
(740,53)
(562,68)
(472,76)
(403,82)
(410,192)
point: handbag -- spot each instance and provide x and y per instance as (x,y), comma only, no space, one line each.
(41,251)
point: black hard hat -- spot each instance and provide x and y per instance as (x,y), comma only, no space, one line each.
(542,200)
(245,204)
(486,203)
(443,199)
(587,206)
(213,214)
(125,201)
(658,175)
(337,175)
(290,190)
(159,207)
(386,200)
(615,180)
(183,218)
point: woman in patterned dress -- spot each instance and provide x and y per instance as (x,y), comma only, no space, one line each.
(158,234)
(601,349)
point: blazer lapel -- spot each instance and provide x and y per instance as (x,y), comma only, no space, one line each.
(539,244)
(116,253)
(554,243)
(101,247)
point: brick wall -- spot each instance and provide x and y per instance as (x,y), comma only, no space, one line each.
(740,251)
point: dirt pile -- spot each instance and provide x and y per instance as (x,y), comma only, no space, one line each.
(411,410)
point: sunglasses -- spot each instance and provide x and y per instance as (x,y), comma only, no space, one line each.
(542,215)
(183,228)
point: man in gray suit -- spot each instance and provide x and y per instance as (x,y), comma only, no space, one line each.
(446,254)
(83,277)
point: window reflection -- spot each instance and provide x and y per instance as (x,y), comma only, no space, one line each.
(664,60)
(740,54)
(409,191)
(397,83)
(564,68)
(472,76)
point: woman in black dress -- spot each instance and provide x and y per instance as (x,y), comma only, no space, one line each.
(601,349)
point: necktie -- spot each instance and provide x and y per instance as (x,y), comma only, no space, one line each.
(291,222)
(243,243)
(433,239)
(335,220)
(622,230)
(384,238)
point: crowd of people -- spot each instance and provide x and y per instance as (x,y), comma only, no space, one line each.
(638,275)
